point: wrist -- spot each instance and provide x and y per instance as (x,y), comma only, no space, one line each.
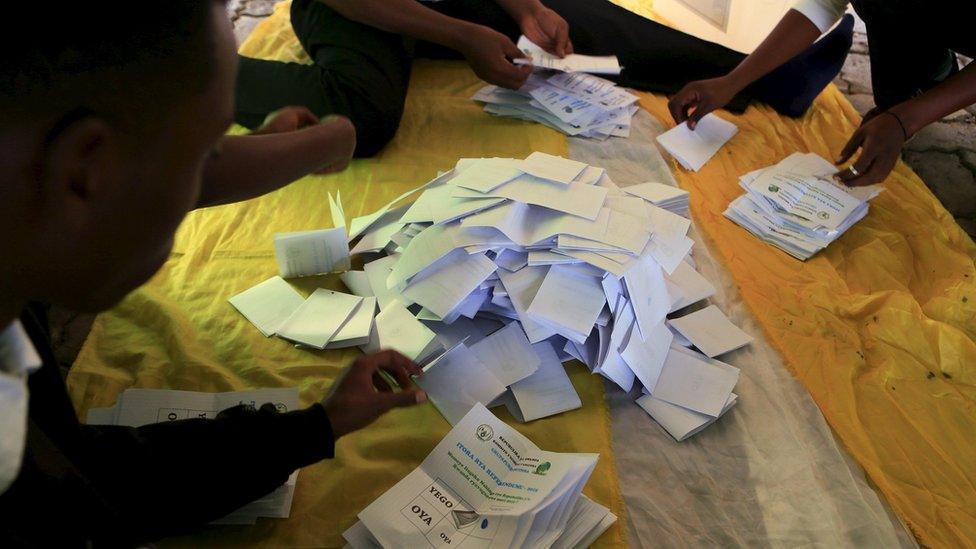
(909,118)
(734,82)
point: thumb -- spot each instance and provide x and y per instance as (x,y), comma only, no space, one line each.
(701,110)
(512,51)
(403,399)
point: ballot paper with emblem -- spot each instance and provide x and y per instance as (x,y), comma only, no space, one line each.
(484,485)
(138,407)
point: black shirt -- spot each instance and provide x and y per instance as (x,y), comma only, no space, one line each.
(108,486)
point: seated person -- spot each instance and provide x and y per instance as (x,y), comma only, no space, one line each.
(362,52)
(112,130)
(914,72)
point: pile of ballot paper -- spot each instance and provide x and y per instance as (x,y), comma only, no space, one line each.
(486,485)
(502,269)
(563,96)
(797,206)
(138,407)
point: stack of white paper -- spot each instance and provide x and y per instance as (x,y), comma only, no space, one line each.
(138,407)
(670,198)
(693,148)
(797,206)
(501,270)
(683,412)
(574,103)
(486,485)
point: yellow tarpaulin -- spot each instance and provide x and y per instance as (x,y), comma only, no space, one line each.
(179,332)
(880,328)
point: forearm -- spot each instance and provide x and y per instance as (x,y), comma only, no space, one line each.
(253,165)
(792,35)
(406,17)
(519,9)
(954,93)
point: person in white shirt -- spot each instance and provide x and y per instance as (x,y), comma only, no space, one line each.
(915,74)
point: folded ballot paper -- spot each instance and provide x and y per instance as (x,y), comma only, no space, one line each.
(797,206)
(486,485)
(138,407)
(574,62)
(693,148)
(574,103)
(501,270)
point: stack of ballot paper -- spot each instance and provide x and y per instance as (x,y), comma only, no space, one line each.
(572,102)
(486,485)
(670,198)
(501,270)
(797,206)
(693,148)
(138,407)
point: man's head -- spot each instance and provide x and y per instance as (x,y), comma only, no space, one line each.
(107,116)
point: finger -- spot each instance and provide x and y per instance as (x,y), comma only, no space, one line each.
(852,144)
(305,117)
(562,40)
(877,173)
(700,111)
(861,167)
(516,76)
(398,369)
(511,51)
(569,46)
(381,384)
(678,105)
(388,401)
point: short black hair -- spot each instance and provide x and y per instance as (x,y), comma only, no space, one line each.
(122,60)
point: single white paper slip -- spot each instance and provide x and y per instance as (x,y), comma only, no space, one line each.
(547,392)
(711,331)
(456,381)
(695,382)
(693,148)
(395,328)
(508,354)
(318,319)
(680,423)
(552,168)
(268,305)
(307,253)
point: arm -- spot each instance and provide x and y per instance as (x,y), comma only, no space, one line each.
(120,486)
(489,52)
(280,152)
(793,34)
(881,138)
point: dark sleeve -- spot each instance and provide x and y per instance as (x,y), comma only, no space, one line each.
(168,477)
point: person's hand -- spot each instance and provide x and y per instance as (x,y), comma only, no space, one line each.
(287,119)
(489,53)
(699,98)
(548,30)
(880,140)
(340,143)
(336,133)
(361,395)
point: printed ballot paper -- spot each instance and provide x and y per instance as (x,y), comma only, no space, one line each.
(574,103)
(138,407)
(797,206)
(693,148)
(573,62)
(504,268)
(483,485)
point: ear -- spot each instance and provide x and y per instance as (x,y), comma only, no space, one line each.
(77,163)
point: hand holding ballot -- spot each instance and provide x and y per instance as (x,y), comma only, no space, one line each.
(363,393)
